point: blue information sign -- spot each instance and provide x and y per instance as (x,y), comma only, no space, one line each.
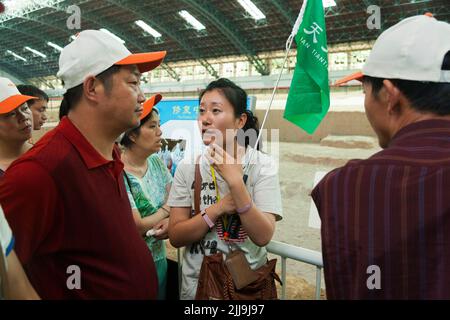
(183,109)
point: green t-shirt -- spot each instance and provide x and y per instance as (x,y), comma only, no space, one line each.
(147,195)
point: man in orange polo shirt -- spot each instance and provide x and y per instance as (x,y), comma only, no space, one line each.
(65,199)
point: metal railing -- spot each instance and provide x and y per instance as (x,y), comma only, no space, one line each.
(288,251)
(285,251)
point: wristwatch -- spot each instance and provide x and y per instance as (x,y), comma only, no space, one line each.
(207,219)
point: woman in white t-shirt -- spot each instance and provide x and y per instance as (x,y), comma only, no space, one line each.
(233,214)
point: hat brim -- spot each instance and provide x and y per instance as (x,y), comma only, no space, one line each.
(356,76)
(149,104)
(12,102)
(144,61)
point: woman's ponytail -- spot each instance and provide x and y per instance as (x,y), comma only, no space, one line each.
(251,124)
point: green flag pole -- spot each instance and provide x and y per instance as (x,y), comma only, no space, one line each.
(288,48)
(308,100)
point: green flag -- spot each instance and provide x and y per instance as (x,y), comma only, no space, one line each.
(309,95)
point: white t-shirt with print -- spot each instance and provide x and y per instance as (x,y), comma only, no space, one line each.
(264,188)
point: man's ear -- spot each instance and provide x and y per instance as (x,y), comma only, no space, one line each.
(91,88)
(392,97)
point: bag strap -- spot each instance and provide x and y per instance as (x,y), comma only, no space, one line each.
(197,186)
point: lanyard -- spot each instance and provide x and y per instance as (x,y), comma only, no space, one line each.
(213,173)
(226,223)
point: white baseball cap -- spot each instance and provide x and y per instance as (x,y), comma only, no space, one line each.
(413,49)
(10,97)
(94,51)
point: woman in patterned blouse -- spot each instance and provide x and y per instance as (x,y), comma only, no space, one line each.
(148,183)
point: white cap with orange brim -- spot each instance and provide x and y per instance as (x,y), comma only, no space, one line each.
(356,76)
(413,49)
(94,51)
(10,97)
(149,104)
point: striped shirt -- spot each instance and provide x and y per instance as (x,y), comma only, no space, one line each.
(386,220)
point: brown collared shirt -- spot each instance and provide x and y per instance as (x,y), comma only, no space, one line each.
(386,220)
